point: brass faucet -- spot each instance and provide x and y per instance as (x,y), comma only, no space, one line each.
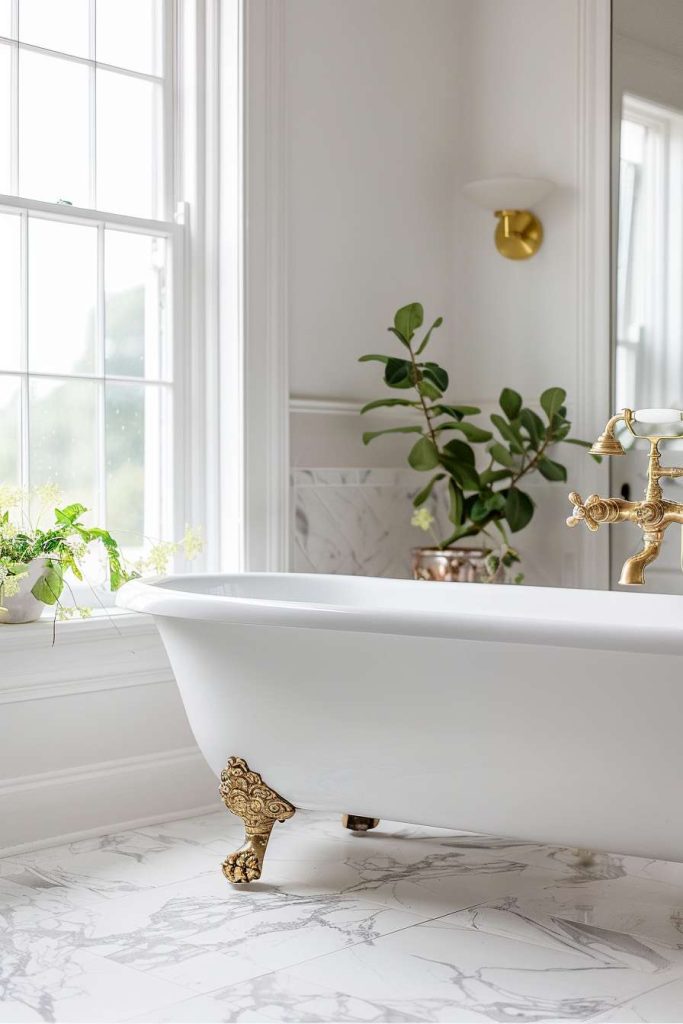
(652,515)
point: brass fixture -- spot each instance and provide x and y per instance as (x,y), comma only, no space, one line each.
(607,443)
(357,823)
(245,794)
(653,515)
(519,234)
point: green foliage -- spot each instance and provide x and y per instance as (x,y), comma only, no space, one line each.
(484,497)
(63,545)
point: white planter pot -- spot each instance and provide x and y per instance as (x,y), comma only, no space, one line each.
(23,606)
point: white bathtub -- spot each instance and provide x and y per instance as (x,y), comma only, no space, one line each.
(539,714)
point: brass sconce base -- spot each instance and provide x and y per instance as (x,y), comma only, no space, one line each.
(245,794)
(519,234)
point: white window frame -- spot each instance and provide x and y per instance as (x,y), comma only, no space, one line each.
(205,299)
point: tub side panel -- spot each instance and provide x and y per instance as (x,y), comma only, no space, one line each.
(557,745)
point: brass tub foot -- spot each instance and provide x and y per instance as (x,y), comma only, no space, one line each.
(245,794)
(356,823)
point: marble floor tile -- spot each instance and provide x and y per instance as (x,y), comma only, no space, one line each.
(402,924)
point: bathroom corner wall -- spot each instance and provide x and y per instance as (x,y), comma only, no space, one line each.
(392,105)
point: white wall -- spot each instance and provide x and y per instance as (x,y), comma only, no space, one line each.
(392,105)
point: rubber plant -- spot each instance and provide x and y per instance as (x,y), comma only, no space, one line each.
(482,469)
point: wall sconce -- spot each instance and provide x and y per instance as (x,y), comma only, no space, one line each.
(519,232)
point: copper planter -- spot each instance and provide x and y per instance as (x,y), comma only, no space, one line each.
(450,565)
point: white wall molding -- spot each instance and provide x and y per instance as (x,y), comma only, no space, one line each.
(266,387)
(96,799)
(593,388)
(103,654)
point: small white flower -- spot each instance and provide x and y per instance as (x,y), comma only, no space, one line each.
(422,518)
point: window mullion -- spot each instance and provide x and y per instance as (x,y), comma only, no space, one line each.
(14,99)
(100,370)
(25,422)
(92,88)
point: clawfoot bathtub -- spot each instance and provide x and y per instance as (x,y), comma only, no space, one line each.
(540,714)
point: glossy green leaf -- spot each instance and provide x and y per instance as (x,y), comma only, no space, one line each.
(492,476)
(509,432)
(429,390)
(460,452)
(399,336)
(519,509)
(456,411)
(423,455)
(552,401)
(425,340)
(534,426)
(422,495)
(510,402)
(551,470)
(388,402)
(408,319)
(369,435)
(374,358)
(456,503)
(49,586)
(435,373)
(500,453)
(397,373)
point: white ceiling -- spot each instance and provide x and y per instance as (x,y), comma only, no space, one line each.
(658,23)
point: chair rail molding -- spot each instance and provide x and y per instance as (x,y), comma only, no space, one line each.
(266,384)
(593,384)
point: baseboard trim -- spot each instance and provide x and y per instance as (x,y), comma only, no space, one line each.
(93,833)
(57,807)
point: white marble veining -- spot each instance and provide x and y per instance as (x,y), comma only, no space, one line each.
(402,924)
(354,521)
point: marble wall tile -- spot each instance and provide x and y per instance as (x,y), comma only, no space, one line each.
(354,521)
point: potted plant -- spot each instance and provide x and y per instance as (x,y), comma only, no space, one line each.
(35,561)
(480,469)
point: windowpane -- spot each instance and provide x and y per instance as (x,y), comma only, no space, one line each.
(55,25)
(62,296)
(129,145)
(135,299)
(134,454)
(53,129)
(63,437)
(6,18)
(129,34)
(10,292)
(6,117)
(10,435)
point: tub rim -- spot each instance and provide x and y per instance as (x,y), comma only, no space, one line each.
(633,633)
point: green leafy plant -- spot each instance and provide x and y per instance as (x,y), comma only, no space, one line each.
(482,469)
(65,545)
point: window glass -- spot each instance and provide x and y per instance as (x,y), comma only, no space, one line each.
(61,25)
(135,301)
(129,34)
(62,296)
(62,448)
(129,145)
(54,129)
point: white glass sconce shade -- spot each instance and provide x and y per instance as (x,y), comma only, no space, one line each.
(511,193)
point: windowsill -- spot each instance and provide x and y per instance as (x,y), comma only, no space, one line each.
(104,623)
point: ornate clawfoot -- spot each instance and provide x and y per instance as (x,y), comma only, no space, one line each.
(245,794)
(356,823)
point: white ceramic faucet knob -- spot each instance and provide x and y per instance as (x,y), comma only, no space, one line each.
(658,415)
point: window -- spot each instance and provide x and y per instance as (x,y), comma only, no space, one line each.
(649,307)
(89,248)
